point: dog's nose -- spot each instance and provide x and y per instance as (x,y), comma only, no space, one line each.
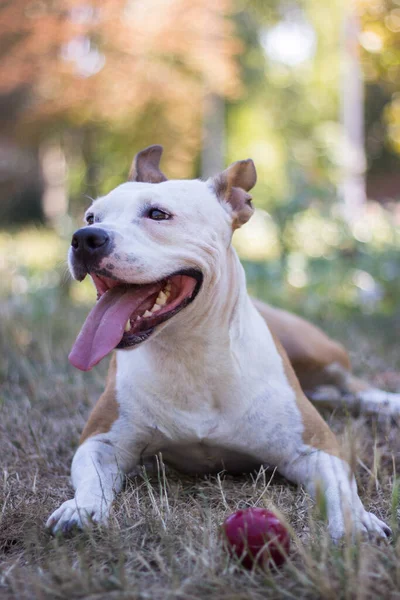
(89,240)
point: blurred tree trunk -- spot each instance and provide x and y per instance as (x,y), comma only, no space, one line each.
(352,187)
(213,148)
(54,169)
(89,156)
(21,183)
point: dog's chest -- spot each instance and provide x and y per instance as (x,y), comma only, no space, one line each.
(211,417)
(198,442)
(204,457)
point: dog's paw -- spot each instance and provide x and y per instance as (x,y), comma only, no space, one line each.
(70,515)
(374,527)
(363,524)
(384,404)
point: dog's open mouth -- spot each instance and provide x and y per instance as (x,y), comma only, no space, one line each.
(127,314)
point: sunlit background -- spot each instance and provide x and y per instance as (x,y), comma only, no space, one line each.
(309,89)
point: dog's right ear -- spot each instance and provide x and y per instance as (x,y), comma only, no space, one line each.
(231,186)
(146,166)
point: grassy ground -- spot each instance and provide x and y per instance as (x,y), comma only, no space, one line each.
(163,538)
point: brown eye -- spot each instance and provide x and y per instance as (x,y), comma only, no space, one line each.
(158,215)
(90,219)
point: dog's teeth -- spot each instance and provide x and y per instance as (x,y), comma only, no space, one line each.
(147,314)
(128,325)
(161,299)
(168,286)
(167,293)
(155,308)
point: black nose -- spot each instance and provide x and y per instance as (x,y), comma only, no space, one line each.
(89,240)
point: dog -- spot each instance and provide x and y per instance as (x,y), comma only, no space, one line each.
(201,373)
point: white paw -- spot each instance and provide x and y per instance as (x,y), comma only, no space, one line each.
(71,515)
(379,402)
(363,523)
(374,527)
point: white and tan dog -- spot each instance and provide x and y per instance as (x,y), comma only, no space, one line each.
(208,383)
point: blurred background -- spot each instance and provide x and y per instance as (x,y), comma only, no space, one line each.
(309,89)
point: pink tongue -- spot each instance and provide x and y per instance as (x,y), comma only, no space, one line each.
(105,324)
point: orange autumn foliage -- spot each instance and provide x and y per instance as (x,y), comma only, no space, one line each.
(108,59)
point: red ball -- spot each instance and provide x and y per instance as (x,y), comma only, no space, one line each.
(256,535)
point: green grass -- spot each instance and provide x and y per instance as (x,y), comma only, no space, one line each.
(163,540)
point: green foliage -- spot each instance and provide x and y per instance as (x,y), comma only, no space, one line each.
(287,117)
(381,65)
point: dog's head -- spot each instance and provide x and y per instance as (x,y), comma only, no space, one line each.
(151,246)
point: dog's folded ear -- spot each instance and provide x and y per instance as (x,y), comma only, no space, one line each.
(231,186)
(146,166)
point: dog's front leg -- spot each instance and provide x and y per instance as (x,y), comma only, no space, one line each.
(97,474)
(329,476)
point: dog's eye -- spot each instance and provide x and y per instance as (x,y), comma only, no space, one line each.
(90,219)
(158,215)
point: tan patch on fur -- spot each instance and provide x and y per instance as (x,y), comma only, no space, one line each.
(308,348)
(106,409)
(232,185)
(316,432)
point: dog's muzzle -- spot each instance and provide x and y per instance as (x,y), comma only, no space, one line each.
(88,246)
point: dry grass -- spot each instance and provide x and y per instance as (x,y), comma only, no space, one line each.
(163,538)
